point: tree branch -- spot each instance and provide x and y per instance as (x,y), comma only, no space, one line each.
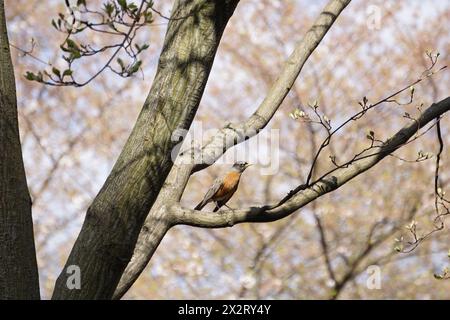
(229,136)
(323,186)
(233,134)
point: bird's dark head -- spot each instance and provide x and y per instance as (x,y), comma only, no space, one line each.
(240,166)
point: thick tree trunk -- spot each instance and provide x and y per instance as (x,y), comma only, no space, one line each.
(157,223)
(113,221)
(18,267)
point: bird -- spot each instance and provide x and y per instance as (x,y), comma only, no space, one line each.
(224,187)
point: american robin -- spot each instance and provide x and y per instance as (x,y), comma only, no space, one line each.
(224,187)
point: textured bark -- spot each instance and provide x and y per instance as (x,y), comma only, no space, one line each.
(155,227)
(229,136)
(18,267)
(114,219)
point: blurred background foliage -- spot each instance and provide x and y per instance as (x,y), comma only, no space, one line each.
(72,136)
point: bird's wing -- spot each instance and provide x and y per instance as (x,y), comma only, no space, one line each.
(212,191)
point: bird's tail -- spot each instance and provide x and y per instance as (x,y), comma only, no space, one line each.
(200,206)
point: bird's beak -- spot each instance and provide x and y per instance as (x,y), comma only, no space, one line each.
(247,165)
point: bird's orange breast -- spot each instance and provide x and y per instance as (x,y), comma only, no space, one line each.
(230,183)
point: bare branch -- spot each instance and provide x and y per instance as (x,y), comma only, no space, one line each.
(325,185)
(233,134)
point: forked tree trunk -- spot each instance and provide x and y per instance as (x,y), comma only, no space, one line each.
(114,219)
(18,267)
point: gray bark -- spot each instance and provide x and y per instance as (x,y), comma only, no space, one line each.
(159,221)
(119,237)
(327,184)
(113,221)
(18,267)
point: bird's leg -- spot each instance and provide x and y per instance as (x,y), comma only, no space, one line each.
(228,207)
